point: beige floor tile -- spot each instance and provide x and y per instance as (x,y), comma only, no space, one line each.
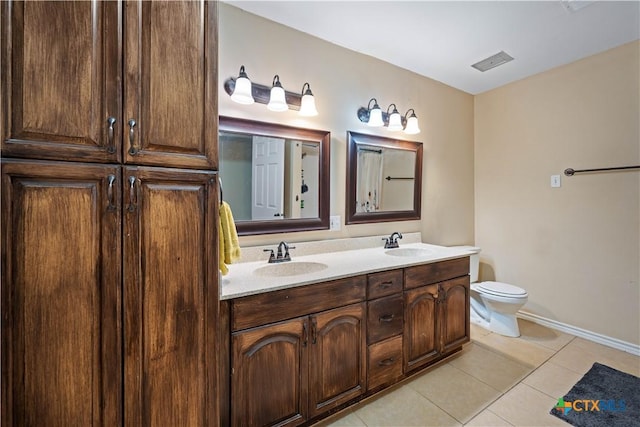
(522,351)
(403,407)
(458,393)
(526,406)
(542,335)
(553,380)
(617,359)
(346,418)
(478,331)
(487,418)
(580,354)
(498,371)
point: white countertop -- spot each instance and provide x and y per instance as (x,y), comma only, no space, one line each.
(242,279)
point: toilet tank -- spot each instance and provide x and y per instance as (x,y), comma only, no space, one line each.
(474,261)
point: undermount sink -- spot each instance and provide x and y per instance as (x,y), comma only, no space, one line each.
(409,252)
(292,268)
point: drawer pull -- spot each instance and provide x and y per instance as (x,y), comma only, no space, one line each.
(387,362)
(386,285)
(386,318)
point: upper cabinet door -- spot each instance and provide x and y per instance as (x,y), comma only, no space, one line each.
(60,75)
(170,84)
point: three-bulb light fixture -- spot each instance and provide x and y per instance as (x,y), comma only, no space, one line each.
(243,91)
(375,117)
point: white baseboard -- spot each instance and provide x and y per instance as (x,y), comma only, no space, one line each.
(582,333)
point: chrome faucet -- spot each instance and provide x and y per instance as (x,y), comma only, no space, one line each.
(392,241)
(282,254)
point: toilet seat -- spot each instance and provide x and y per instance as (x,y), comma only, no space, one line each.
(500,289)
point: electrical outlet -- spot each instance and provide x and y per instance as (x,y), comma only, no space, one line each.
(555,181)
(334,222)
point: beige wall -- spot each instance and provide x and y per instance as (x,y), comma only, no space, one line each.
(575,248)
(342,81)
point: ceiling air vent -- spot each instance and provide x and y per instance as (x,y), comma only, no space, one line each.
(493,61)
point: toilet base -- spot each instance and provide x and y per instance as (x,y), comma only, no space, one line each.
(503,324)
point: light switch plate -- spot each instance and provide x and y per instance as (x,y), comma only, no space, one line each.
(555,181)
(334,223)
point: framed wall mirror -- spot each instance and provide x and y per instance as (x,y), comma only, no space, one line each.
(384,179)
(274,177)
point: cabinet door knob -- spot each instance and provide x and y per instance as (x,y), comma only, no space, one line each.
(132,137)
(111,148)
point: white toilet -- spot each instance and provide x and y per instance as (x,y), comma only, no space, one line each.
(494,304)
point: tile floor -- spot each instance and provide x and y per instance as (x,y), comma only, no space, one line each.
(493,381)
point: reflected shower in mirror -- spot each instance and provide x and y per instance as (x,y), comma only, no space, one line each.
(275,177)
(384,179)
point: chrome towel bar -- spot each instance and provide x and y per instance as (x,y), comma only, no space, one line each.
(571,172)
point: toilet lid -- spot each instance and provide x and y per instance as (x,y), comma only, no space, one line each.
(502,289)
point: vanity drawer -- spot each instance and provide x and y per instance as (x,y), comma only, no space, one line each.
(274,306)
(427,274)
(384,283)
(385,362)
(384,318)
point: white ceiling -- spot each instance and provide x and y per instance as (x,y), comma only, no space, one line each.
(441,39)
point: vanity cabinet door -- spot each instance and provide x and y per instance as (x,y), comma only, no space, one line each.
(421,327)
(269,374)
(337,357)
(454,307)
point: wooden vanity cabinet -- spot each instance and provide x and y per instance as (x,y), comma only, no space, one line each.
(310,360)
(436,314)
(110,81)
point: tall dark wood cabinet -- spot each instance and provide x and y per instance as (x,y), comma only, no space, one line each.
(109,213)
(61,294)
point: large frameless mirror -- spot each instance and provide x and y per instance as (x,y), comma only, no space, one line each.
(274,177)
(384,179)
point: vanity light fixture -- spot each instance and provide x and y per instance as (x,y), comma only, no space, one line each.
(277,100)
(375,117)
(395,121)
(412,127)
(243,91)
(308,102)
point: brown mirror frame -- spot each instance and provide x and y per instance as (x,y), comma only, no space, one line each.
(323,138)
(353,217)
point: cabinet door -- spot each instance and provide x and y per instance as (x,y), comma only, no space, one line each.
(337,357)
(170,294)
(269,375)
(61,329)
(420,326)
(454,313)
(60,80)
(170,83)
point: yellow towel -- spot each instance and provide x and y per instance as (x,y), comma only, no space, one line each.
(229,245)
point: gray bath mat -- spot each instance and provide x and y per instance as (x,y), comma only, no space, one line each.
(603,397)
